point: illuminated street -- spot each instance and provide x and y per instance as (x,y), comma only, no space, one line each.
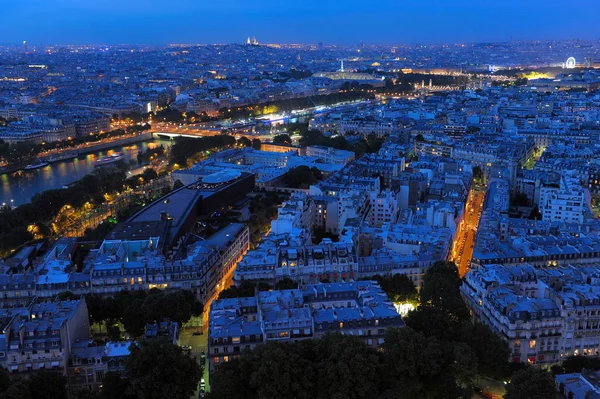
(462,250)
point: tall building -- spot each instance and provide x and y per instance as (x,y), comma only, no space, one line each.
(567,203)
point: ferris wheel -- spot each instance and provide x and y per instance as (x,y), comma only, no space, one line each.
(570,64)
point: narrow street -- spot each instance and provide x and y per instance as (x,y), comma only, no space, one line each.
(462,249)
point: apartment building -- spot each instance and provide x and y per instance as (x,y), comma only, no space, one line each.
(358,308)
(41,335)
(544,314)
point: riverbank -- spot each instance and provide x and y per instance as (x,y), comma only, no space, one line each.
(146,136)
(21,186)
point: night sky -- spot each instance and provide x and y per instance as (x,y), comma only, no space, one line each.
(299,21)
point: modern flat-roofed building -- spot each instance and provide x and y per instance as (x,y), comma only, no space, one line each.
(330,155)
(567,203)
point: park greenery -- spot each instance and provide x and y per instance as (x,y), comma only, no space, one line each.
(439,354)
(478,174)
(531,383)
(138,201)
(45,206)
(186,150)
(302,177)
(156,369)
(263,209)
(282,139)
(290,104)
(361,145)
(4,121)
(145,157)
(41,216)
(135,309)
(41,385)
(399,288)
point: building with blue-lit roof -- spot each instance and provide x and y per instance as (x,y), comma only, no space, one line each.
(41,335)
(89,363)
(583,385)
(358,308)
(544,314)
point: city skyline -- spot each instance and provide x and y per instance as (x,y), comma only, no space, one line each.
(232,21)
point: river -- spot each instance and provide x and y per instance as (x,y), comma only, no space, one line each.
(21,186)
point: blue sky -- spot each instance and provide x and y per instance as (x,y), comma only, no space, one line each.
(299,21)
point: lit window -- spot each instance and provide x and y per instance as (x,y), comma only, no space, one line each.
(532,344)
(341,325)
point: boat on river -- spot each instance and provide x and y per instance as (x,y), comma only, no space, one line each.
(117,156)
(36,164)
(62,157)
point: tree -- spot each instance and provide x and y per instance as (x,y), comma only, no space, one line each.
(232,381)
(440,290)
(302,177)
(282,139)
(4,379)
(114,332)
(256,144)
(433,322)
(574,364)
(17,390)
(477,173)
(245,289)
(286,283)
(160,370)
(532,383)
(87,394)
(282,373)
(334,366)
(244,142)
(161,305)
(149,174)
(345,368)
(140,309)
(67,296)
(115,387)
(520,199)
(48,385)
(419,138)
(411,360)
(483,342)
(398,287)
(177,184)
